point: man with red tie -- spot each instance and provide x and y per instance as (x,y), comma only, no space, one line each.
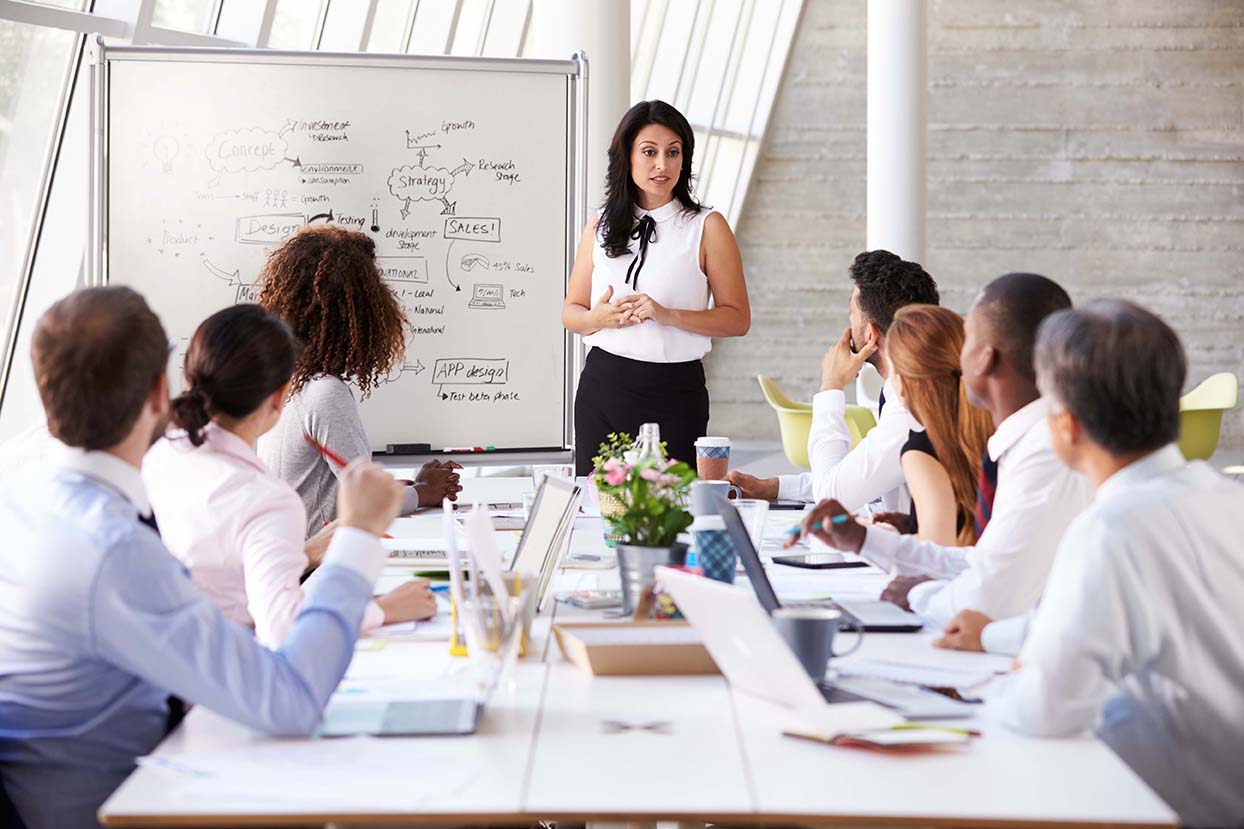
(1026,497)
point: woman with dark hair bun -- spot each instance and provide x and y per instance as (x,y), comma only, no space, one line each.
(235,525)
(649,267)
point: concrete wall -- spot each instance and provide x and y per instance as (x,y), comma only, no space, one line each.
(1099,143)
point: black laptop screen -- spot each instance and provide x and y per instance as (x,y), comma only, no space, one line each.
(751,559)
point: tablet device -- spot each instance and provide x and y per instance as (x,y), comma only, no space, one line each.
(413,718)
(820,561)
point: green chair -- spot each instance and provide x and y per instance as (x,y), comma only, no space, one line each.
(1200,414)
(795,421)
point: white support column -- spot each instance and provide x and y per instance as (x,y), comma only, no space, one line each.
(897,123)
(602,29)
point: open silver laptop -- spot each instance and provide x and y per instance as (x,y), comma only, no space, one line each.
(546,537)
(755,658)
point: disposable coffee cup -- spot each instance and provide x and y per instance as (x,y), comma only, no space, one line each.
(712,458)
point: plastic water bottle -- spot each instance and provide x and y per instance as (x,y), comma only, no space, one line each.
(648,445)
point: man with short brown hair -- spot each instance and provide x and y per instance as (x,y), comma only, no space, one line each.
(99,624)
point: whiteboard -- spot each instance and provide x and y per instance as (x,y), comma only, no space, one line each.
(462,171)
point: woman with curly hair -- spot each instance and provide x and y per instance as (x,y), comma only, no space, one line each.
(325,284)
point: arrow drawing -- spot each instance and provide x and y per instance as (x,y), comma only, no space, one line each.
(405,211)
(411,145)
(289,125)
(418,368)
(297,162)
(234,278)
(447,276)
(465,167)
(328,216)
(451,207)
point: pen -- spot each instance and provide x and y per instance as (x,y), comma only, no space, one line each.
(439,588)
(840,518)
(910,726)
(328,454)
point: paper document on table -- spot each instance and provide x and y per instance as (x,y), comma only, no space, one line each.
(481,540)
(435,629)
(351,774)
(932,676)
(828,721)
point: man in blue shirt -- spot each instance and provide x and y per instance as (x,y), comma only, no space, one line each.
(99,624)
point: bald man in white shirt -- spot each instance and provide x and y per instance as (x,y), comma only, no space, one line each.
(1027,498)
(1140,633)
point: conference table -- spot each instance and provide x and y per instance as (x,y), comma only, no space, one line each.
(556,743)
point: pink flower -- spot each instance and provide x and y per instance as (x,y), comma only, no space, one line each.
(651,475)
(615,476)
(612,464)
(669,480)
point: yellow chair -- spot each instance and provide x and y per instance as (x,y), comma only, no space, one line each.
(1200,414)
(795,421)
(860,422)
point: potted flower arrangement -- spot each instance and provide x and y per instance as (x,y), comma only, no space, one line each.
(642,497)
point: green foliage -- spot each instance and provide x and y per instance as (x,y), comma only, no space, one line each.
(651,493)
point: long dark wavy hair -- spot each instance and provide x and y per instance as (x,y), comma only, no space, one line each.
(621,195)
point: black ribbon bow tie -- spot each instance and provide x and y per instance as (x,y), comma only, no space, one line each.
(645,231)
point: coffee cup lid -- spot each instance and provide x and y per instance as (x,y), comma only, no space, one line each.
(712,441)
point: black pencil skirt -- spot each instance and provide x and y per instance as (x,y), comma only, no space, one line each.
(617,394)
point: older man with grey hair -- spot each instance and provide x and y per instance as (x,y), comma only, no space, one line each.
(1140,633)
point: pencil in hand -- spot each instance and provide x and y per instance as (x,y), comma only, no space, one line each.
(326,453)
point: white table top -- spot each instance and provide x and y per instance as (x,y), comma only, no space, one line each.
(544,751)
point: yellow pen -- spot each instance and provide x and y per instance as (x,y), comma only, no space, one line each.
(908,726)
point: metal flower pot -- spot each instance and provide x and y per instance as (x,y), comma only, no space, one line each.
(637,566)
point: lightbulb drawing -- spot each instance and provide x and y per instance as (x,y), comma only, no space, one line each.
(166,149)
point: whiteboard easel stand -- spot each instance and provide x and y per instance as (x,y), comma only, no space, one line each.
(99,54)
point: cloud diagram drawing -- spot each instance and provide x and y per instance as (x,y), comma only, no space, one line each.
(246,150)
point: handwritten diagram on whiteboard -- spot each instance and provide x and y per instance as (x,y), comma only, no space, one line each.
(459,177)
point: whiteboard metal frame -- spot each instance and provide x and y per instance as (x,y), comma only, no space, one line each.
(100,54)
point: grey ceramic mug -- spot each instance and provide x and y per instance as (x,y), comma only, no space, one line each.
(810,633)
(704,495)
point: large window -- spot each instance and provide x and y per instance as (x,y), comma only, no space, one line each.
(35,63)
(719,61)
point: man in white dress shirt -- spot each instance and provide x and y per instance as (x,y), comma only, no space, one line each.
(1140,633)
(884,283)
(1027,496)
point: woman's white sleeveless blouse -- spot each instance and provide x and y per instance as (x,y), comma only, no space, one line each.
(671,275)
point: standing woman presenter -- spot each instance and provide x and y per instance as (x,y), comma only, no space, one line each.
(647,268)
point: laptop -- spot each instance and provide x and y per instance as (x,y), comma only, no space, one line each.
(546,537)
(873,616)
(487,295)
(755,658)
